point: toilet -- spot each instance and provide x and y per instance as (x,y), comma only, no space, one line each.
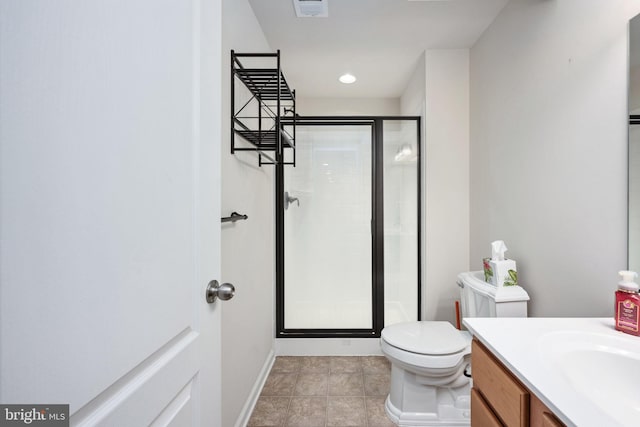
(430,360)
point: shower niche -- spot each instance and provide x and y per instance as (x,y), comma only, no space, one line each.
(263,109)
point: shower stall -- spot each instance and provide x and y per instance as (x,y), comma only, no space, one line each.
(348,227)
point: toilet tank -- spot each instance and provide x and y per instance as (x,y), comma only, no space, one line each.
(480,299)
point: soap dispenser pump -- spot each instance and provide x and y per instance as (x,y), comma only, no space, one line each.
(628,304)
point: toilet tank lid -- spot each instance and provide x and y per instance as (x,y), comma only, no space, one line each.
(427,337)
(475,279)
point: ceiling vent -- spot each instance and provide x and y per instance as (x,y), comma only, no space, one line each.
(311,8)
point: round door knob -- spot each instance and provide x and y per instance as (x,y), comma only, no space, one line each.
(225,292)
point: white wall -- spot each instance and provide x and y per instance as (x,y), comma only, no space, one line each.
(634,198)
(548,149)
(634,145)
(347,106)
(634,87)
(439,92)
(247,246)
(412,101)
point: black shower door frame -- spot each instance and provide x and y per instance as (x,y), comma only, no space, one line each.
(377,227)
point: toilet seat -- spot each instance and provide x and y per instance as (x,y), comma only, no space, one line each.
(428,344)
(426,337)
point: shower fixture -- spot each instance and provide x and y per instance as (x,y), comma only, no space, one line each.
(405,152)
(289,200)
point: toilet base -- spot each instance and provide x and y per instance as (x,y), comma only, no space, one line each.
(414,401)
(449,416)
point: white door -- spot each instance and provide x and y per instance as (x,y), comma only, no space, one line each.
(110,141)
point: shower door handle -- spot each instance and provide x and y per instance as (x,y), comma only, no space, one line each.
(224,292)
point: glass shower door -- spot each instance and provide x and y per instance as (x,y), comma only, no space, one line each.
(327,231)
(401,220)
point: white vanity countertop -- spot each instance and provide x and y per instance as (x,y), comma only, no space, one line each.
(520,345)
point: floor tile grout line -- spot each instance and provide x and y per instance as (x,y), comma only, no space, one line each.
(364,401)
(326,409)
(360,370)
(286,413)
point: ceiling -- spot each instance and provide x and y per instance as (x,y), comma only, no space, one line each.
(378,41)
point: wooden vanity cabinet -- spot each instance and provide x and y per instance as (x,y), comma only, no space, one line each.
(541,416)
(499,399)
(481,413)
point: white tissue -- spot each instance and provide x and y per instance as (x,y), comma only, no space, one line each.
(498,248)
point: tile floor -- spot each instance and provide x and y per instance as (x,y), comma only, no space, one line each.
(345,391)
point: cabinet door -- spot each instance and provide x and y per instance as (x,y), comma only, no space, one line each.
(541,416)
(549,420)
(508,398)
(481,413)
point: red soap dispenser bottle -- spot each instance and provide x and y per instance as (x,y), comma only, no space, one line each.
(628,304)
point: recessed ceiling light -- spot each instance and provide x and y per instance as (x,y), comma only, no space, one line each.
(347,78)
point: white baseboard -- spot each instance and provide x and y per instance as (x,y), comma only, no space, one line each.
(247,409)
(328,347)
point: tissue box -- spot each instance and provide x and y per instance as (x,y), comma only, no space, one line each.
(500,273)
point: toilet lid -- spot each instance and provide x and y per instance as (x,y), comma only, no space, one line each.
(428,337)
